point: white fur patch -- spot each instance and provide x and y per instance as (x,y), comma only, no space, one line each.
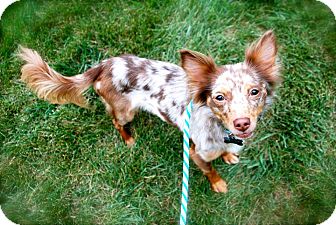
(98,85)
(119,71)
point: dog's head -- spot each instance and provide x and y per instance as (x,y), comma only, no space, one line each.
(237,94)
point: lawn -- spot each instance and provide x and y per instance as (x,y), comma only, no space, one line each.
(68,165)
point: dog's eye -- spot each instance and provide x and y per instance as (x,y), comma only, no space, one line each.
(254,92)
(220,98)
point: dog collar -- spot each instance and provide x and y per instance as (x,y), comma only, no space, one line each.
(230,138)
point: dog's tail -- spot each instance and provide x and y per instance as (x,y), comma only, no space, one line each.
(52,86)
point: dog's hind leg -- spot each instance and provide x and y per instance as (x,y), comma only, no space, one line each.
(120,117)
(119,121)
(117,106)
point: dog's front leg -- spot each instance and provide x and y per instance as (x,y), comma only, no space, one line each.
(216,182)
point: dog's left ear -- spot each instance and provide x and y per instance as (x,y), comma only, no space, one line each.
(200,70)
(262,57)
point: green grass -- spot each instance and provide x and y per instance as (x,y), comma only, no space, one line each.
(68,165)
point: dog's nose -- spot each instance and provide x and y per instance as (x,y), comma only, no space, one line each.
(242,124)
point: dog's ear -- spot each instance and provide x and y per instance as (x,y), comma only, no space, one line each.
(200,70)
(262,57)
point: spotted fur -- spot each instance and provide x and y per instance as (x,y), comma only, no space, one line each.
(222,94)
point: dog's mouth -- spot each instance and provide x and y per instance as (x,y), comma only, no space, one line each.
(244,135)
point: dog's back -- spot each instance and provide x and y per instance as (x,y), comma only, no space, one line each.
(151,85)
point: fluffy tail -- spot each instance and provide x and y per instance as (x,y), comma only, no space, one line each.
(52,86)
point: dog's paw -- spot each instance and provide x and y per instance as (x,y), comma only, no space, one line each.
(219,186)
(130,142)
(230,158)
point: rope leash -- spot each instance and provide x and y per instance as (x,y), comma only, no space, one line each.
(186,147)
(185,178)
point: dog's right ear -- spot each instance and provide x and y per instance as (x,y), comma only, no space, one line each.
(200,70)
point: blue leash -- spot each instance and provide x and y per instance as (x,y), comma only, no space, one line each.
(185,179)
(186,147)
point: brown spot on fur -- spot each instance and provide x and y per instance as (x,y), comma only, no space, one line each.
(125,88)
(168,68)
(182,109)
(146,63)
(146,87)
(154,70)
(174,103)
(173,72)
(149,65)
(210,139)
(219,113)
(132,74)
(160,95)
(169,77)
(255,113)
(212,105)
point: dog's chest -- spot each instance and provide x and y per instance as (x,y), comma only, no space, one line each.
(208,135)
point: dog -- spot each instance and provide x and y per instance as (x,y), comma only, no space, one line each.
(228,100)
